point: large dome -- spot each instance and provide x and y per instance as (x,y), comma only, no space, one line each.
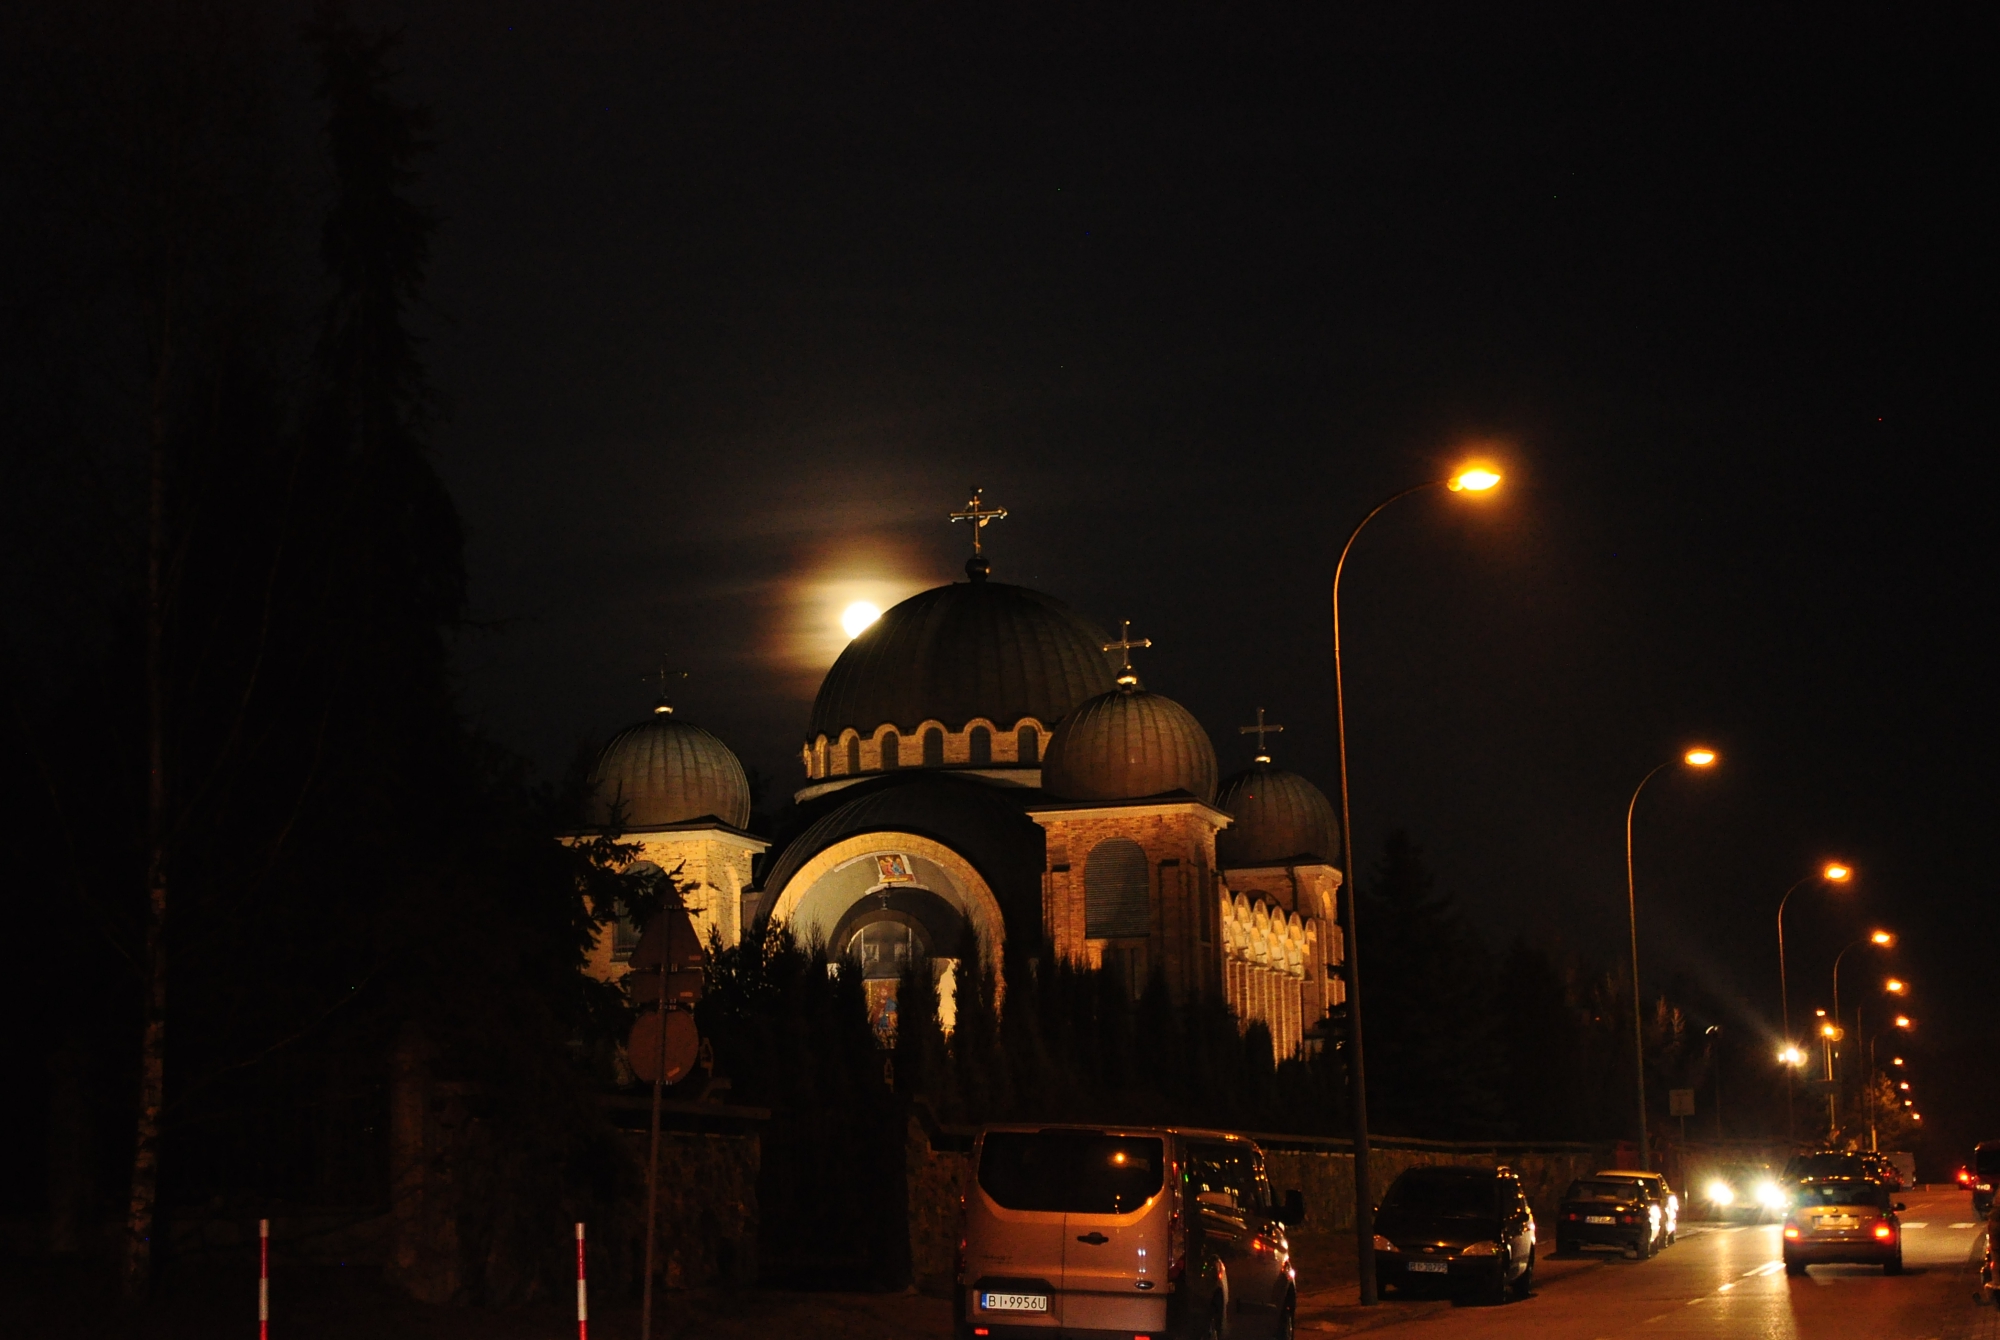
(972,649)
(1126,745)
(1280,819)
(663,771)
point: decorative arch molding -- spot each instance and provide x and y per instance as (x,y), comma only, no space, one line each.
(975,896)
(834,756)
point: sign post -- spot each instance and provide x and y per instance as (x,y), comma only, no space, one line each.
(665,971)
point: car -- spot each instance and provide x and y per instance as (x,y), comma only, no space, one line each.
(1669,1200)
(1456,1228)
(1843,1219)
(1611,1212)
(1817,1164)
(1882,1170)
(1985,1174)
(1749,1192)
(1989,1261)
(1155,1231)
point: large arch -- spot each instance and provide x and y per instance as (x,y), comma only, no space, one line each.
(814,902)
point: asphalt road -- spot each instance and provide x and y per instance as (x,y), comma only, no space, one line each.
(1728,1282)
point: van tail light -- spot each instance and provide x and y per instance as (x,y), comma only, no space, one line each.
(1791,1230)
(958,1262)
(1176,1233)
(1884,1230)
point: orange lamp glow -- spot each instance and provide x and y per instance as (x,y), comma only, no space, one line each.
(1902,1021)
(1882,938)
(1699,758)
(1895,986)
(1473,479)
(1837,873)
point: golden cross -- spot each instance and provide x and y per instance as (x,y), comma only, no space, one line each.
(1127,644)
(979,514)
(1260,730)
(663,707)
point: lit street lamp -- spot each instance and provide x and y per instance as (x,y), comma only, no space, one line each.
(1474,479)
(1697,757)
(1833,872)
(1902,1023)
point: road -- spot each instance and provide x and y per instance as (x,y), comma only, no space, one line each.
(1726,1283)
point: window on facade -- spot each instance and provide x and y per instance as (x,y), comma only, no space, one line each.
(1028,745)
(934,748)
(1115,901)
(853,754)
(891,746)
(980,743)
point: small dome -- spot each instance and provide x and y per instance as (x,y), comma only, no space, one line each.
(665,771)
(1281,819)
(1128,744)
(971,649)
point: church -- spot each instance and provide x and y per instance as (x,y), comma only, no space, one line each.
(984,767)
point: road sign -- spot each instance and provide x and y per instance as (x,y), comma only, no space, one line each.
(683,1046)
(1680,1102)
(670,939)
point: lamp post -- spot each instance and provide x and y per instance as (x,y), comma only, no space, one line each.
(1833,872)
(1694,758)
(1715,1053)
(1474,480)
(1880,939)
(1902,1022)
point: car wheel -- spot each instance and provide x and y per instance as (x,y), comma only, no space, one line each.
(1213,1331)
(1496,1292)
(1288,1320)
(1894,1265)
(1795,1267)
(1525,1285)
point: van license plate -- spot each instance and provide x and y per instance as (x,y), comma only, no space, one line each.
(1014,1302)
(1598,1219)
(1429,1268)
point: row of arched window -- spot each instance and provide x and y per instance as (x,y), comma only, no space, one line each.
(929,749)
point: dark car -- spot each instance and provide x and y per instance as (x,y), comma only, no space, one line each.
(1463,1229)
(1989,1262)
(1843,1219)
(1607,1213)
(1985,1170)
(1663,1195)
(1819,1164)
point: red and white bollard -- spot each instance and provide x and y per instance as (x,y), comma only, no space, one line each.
(263,1279)
(582,1300)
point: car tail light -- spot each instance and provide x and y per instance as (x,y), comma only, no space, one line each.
(1572,1216)
(981,1330)
(1884,1229)
(1791,1230)
(1176,1232)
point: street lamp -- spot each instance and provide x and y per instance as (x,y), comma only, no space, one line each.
(1903,1023)
(1698,757)
(1878,939)
(1833,872)
(1474,479)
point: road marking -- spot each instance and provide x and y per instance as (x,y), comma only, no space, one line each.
(1966,1225)
(1916,1223)
(1727,1287)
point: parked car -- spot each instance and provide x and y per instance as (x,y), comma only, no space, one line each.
(1150,1231)
(1843,1219)
(1818,1164)
(1456,1228)
(1985,1174)
(1656,1183)
(1611,1212)
(1989,1261)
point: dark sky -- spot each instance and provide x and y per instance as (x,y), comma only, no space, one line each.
(731,310)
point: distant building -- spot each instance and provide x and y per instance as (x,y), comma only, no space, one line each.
(977,761)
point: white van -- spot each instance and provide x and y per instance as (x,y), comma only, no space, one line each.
(1129,1232)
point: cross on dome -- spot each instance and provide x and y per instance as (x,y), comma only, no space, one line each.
(1260,730)
(1128,644)
(661,706)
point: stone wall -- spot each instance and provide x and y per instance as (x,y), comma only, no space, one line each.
(708,1214)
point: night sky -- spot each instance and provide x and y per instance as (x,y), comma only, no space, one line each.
(728,312)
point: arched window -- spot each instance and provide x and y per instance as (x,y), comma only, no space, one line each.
(981,744)
(891,747)
(1116,904)
(934,748)
(853,754)
(1028,746)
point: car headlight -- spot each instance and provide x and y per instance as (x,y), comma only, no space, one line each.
(1481,1249)
(1770,1195)
(1721,1193)
(1383,1244)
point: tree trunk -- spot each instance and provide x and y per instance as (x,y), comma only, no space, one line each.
(153,1037)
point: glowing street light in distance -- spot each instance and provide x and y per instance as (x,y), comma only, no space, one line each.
(857,617)
(1791,1056)
(1895,986)
(1882,938)
(1902,1021)
(1837,873)
(1699,757)
(1473,479)
(1896,1061)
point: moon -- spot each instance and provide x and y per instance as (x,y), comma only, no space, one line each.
(857,617)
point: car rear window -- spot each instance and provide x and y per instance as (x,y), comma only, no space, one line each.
(1453,1197)
(1071,1172)
(1986,1162)
(1613,1191)
(1870,1194)
(1825,1165)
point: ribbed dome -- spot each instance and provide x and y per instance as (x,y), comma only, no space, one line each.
(1128,744)
(666,771)
(972,649)
(1281,819)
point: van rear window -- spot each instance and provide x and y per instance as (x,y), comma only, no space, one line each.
(1070,1172)
(1986,1160)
